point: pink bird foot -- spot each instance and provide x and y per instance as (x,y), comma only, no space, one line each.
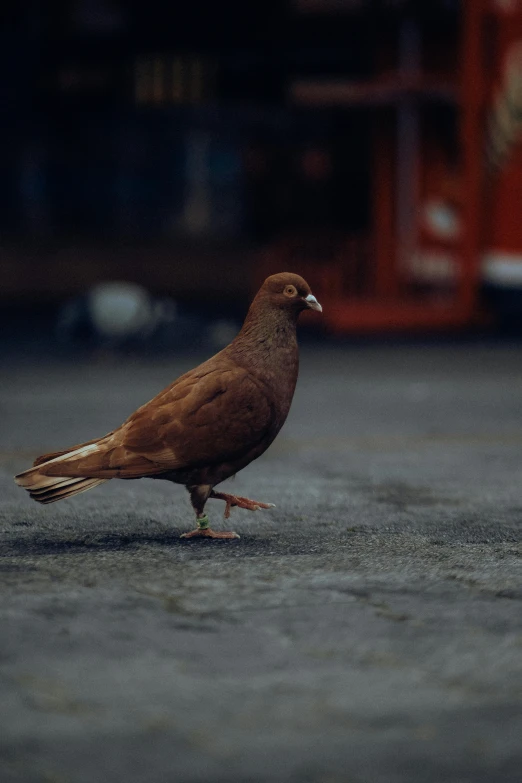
(204,530)
(209,533)
(240,502)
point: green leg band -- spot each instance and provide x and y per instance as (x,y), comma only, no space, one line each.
(203,522)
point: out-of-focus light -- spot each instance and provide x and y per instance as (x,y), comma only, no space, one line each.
(120,309)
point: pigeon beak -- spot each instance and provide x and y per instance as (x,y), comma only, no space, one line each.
(312,303)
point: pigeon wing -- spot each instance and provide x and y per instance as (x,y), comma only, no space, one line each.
(201,420)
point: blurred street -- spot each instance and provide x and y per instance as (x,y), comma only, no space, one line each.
(366,630)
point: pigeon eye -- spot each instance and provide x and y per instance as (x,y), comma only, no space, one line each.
(290,290)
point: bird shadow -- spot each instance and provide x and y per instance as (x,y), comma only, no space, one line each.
(110,542)
(246,546)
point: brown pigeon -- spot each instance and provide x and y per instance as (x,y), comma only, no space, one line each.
(207,425)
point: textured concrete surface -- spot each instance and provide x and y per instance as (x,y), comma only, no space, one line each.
(368,629)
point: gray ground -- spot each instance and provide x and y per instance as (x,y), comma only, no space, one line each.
(368,629)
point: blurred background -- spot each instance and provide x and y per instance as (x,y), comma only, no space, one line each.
(160,159)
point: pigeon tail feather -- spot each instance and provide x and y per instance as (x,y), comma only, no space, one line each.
(49,489)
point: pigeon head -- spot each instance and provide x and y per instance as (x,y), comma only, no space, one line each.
(290,292)
(272,316)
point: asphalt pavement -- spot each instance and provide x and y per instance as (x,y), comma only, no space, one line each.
(366,630)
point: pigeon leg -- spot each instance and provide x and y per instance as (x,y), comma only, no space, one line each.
(240,502)
(198,497)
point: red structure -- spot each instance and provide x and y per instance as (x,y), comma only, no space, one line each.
(440,222)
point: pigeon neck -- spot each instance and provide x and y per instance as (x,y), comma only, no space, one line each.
(267,343)
(269,325)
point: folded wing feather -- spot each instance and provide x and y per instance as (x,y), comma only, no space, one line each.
(173,431)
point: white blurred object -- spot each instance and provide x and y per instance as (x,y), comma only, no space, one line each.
(120,309)
(442,219)
(114,313)
(503,269)
(119,314)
